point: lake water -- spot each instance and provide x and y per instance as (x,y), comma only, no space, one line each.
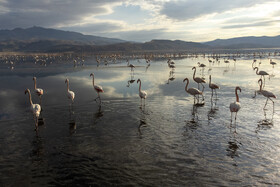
(164,141)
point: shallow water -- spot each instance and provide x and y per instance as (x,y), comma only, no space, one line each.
(164,141)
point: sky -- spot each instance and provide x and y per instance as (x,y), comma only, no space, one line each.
(145,20)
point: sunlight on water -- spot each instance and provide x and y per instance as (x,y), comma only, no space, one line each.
(164,140)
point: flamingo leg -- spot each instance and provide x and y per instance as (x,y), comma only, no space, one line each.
(212,93)
(265,103)
(231,118)
(272,103)
(235,116)
(203,87)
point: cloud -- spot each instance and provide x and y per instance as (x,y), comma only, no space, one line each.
(190,9)
(256,24)
(26,13)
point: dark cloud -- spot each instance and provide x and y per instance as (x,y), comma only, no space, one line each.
(26,13)
(256,24)
(190,9)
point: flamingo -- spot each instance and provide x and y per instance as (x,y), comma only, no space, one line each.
(201,65)
(38,91)
(272,63)
(97,88)
(235,106)
(213,86)
(193,91)
(142,94)
(70,94)
(130,65)
(261,73)
(267,94)
(35,108)
(198,80)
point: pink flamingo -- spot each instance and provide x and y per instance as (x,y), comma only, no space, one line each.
(35,108)
(261,73)
(235,106)
(213,86)
(198,80)
(193,91)
(97,88)
(267,94)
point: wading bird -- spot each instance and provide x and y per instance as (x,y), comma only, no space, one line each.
(37,91)
(198,80)
(142,94)
(70,94)
(213,86)
(267,94)
(35,108)
(261,73)
(97,88)
(235,106)
(193,91)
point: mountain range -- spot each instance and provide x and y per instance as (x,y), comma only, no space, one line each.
(38,39)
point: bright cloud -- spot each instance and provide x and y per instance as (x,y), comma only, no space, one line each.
(144,20)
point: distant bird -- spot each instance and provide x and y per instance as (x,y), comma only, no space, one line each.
(38,91)
(213,86)
(142,94)
(261,73)
(201,65)
(35,108)
(130,65)
(171,64)
(97,88)
(235,106)
(198,80)
(272,63)
(267,94)
(193,91)
(70,94)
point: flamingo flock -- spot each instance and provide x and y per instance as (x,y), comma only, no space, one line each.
(195,92)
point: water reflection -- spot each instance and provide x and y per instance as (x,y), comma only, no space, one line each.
(232,149)
(132,80)
(213,109)
(38,149)
(265,123)
(171,76)
(72,120)
(98,114)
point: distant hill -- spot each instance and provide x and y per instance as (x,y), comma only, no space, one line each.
(39,33)
(246,42)
(65,46)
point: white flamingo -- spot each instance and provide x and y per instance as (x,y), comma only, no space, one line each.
(38,91)
(70,94)
(213,86)
(142,94)
(198,80)
(267,94)
(97,88)
(35,108)
(235,106)
(193,91)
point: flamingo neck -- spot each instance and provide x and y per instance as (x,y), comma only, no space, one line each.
(237,97)
(93,80)
(67,85)
(186,88)
(194,73)
(35,84)
(140,86)
(30,100)
(261,86)
(257,69)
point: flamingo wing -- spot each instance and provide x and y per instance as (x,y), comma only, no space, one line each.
(234,107)
(36,109)
(267,93)
(98,88)
(143,94)
(71,95)
(39,91)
